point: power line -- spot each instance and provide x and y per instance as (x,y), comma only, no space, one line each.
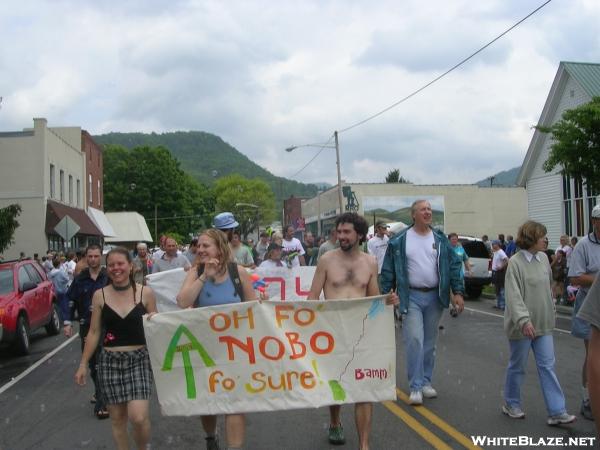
(323,146)
(425,86)
(456,66)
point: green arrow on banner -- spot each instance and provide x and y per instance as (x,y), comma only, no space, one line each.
(185,349)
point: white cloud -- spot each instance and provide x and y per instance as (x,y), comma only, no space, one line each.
(265,75)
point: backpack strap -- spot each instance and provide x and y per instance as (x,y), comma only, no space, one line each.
(232,268)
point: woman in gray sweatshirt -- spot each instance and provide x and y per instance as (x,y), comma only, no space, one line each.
(528,321)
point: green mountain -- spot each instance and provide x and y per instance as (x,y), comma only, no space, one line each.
(504,178)
(207,157)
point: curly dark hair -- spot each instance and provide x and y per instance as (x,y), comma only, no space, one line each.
(359,223)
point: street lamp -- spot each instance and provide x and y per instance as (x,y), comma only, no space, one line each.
(337,161)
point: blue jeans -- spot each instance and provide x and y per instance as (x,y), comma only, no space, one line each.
(543,350)
(420,330)
(500,301)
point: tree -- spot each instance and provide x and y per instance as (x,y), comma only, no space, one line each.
(393,176)
(576,144)
(8,225)
(149,180)
(251,201)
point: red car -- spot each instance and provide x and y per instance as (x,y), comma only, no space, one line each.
(27,302)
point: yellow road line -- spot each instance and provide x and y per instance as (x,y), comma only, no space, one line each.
(435,441)
(441,424)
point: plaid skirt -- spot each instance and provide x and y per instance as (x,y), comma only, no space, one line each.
(125,376)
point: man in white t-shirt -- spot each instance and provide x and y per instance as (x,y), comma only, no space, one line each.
(499,263)
(293,252)
(424,270)
(378,244)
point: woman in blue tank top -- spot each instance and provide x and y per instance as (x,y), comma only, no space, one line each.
(212,281)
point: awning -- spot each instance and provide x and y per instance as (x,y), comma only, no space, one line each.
(101,221)
(129,226)
(55,212)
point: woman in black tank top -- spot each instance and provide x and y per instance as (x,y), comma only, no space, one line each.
(124,371)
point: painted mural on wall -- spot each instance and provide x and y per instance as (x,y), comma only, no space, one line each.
(396,208)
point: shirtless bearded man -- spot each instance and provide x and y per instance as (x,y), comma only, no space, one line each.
(346,273)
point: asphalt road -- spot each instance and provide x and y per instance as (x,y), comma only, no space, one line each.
(46,410)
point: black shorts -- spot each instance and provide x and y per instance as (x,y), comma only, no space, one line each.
(125,376)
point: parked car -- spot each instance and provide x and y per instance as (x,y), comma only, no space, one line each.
(481,265)
(27,302)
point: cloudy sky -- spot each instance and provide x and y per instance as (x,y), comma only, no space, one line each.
(265,75)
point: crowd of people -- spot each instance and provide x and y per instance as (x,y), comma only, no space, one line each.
(420,269)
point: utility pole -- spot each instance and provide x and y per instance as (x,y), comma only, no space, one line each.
(339,173)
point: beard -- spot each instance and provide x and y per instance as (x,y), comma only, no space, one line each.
(347,246)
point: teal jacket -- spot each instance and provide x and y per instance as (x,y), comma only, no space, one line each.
(394,272)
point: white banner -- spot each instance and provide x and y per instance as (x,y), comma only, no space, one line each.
(282,283)
(272,355)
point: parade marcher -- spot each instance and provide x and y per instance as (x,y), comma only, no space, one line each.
(241,254)
(60,281)
(47,264)
(171,259)
(142,264)
(225,222)
(261,247)
(590,312)
(217,280)
(190,253)
(161,248)
(378,244)
(423,269)
(528,322)
(69,265)
(330,244)
(80,295)
(499,263)
(559,273)
(81,263)
(510,246)
(272,257)
(465,266)
(124,371)
(293,252)
(331,278)
(311,250)
(585,264)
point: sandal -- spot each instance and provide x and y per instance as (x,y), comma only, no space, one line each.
(102,413)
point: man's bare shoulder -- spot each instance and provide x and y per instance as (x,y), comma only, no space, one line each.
(331,255)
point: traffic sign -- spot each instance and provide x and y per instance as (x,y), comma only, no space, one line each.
(67,228)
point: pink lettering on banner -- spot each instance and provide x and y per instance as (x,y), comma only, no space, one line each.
(300,291)
(380,374)
(281,282)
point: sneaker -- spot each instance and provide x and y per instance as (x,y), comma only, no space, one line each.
(336,435)
(429,392)
(416,398)
(560,419)
(586,410)
(212,443)
(514,412)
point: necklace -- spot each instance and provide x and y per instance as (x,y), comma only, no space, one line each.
(121,288)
